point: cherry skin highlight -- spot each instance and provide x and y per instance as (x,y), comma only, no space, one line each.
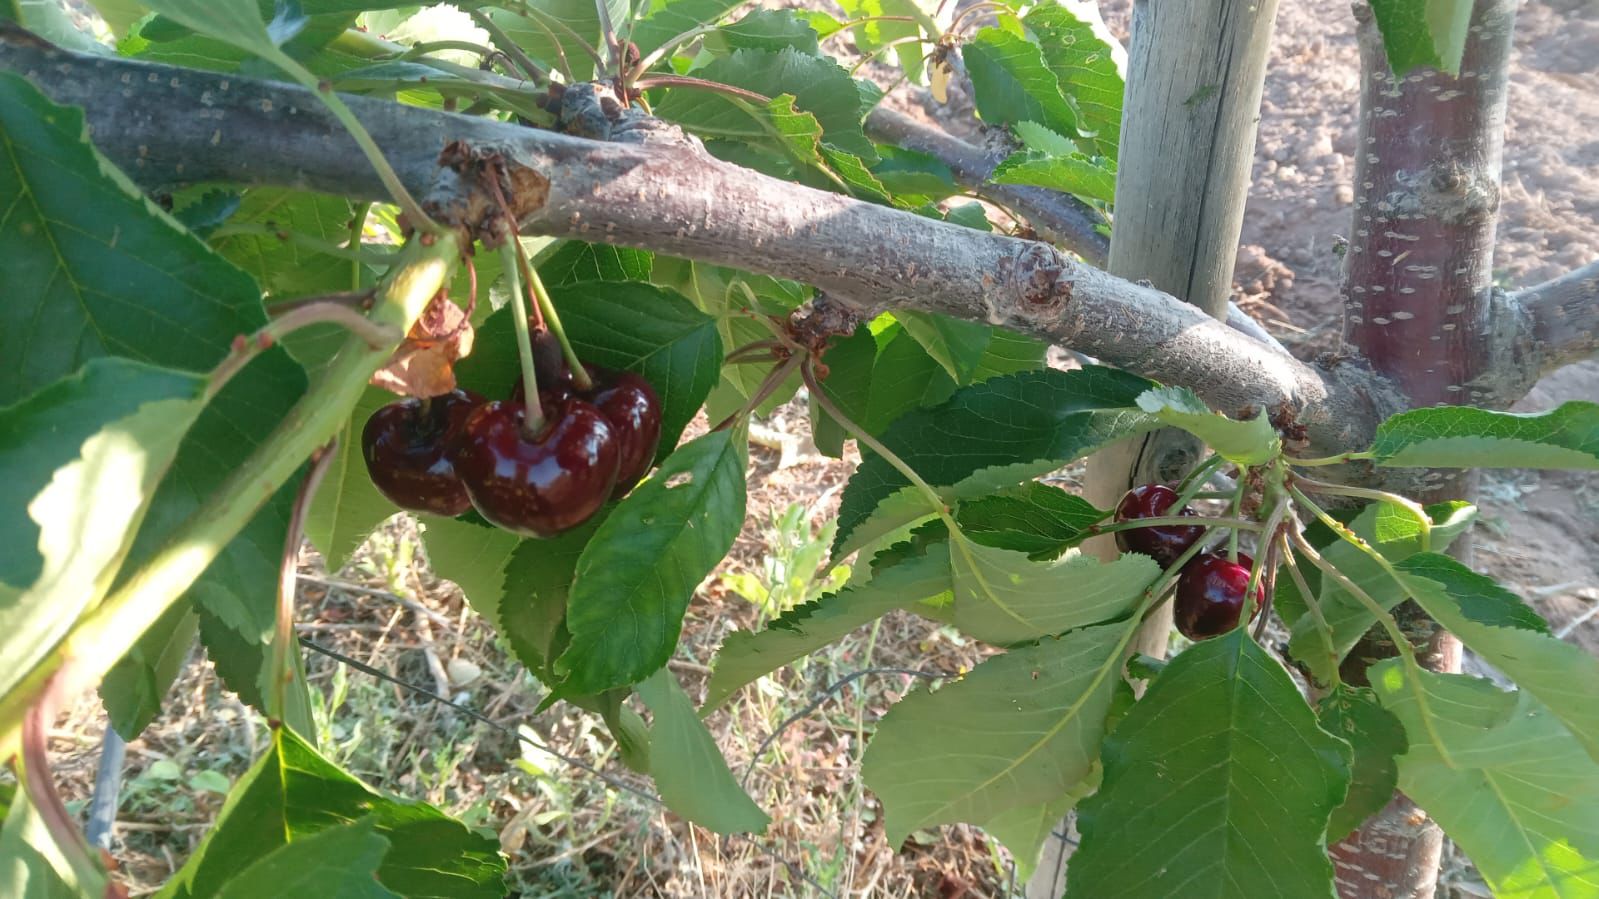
(1163,543)
(1210,595)
(407,446)
(543,485)
(629,403)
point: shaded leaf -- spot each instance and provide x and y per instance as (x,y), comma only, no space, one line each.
(134,688)
(688,767)
(1035,518)
(1376,738)
(1217,783)
(1084,60)
(340,861)
(1021,725)
(1003,597)
(347,507)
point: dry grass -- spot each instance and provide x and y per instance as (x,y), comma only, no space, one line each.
(568,831)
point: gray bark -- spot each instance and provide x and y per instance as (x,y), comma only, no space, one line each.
(1562,318)
(650,187)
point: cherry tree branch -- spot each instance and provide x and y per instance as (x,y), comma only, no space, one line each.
(1563,317)
(651,187)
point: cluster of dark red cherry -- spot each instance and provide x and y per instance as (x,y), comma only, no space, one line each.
(1211,587)
(450,453)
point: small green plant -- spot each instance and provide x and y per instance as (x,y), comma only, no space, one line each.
(794,570)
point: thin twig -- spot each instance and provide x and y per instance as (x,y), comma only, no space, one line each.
(283,667)
(411,604)
(510,48)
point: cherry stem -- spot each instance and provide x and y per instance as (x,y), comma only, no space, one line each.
(1237,507)
(533,417)
(867,440)
(1381,496)
(284,646)
(552,320)
(1312,601)
(1198,475)
(774,379)
(357,230)
(503,43)
(700,84)
(311,313)
(1265,563)
(750,349)
(1339,459)
(1237,524)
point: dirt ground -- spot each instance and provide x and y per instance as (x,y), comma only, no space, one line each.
(569,834)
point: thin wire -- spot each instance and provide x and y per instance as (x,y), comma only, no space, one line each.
(826,693)
(611,781)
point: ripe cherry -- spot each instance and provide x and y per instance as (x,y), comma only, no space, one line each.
(407,446)
(629,403)
(1163,543)
(543,484)
(1210,595)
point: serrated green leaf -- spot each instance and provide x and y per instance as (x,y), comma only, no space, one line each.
(101,271)
(1502,629)
(1250,442)
(875,378)
(1417,33)
(747,656)
(282,266)
(1377,738)
(1346,616)
(547,44)
(1076,174)
(574,262)
(347,508)
(292,792)
(770,29)
(236,21)
(472,555)
(1020,725)
(1508,784)
(134,688)
(688,767)
(1081,52)
(1025,420)
(1003,597)
(340,861)
(636,576)
(665,19)
(1217,783)
(81,461)
(879,33)
(820,87)
(622,325)
(1035,518)
(538,581)
(1026,829)
(1463,437)
(1011,83)
(244,664)
(957,345)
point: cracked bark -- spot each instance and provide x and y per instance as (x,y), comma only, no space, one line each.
(1420,304)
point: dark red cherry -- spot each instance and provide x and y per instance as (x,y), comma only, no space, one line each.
(407,446)
(629,403)
(1210,595)
(543,485)
(1164,543)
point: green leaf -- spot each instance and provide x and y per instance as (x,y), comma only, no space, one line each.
(958,345)
(1346,616)
(636,576)
(574,261)
(875,376)
(1003,597)
(1011,82)
(746,656)
(581,16)
(1084,60)
(1498,626)
(472,555)
(291,793)
(236,21)
(284,267)
(32,865)
(1074,174)
(1035,518)
(666,19)
(622,325)
(820,87)
(1417,33)
(1463,437)
(688,768)
(81,460)
(1021,725)
(870,36)
(1508,784)
(1030,418)
(1251,442)
(1217,783)
(100,271)
(340,861)
(347,508)
(769,29)
(1026,829)
(134,688)
(538,582)
(1377,738)
(244,664)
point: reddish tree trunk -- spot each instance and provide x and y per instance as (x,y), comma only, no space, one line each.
(1418,302)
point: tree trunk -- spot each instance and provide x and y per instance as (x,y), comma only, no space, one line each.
(1418,303)
(1194,77)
